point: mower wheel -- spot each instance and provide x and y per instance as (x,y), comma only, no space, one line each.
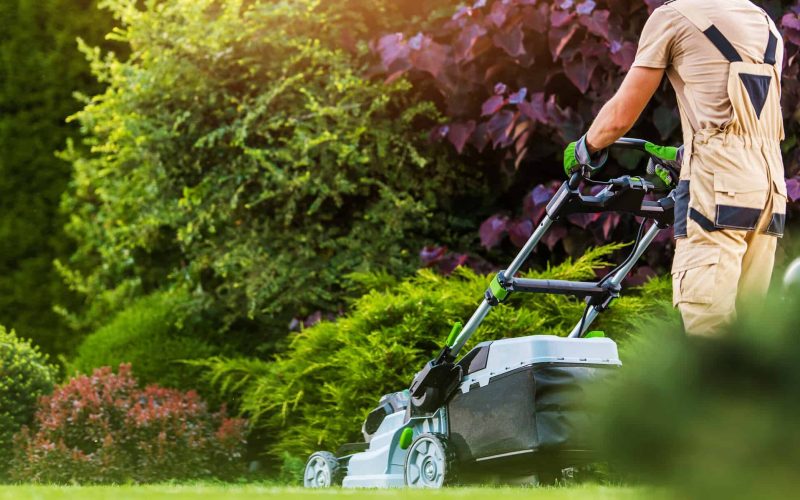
(322,471)
(430,462)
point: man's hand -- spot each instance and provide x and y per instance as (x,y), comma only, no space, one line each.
(666,163)
(577,156)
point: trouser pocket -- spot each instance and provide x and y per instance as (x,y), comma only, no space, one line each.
(694,274)
(739,200)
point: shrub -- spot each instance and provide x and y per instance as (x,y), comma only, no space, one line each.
(153,336)
(711,417)
(316,394)
(239,151)
(24,376)
(104,429)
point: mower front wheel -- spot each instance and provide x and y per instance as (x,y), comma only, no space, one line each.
(430,462)
(322,471)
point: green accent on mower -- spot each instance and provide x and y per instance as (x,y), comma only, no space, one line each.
(451,339)
(595,335)
(406,437)
(498,291)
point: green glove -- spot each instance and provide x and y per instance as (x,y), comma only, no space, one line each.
(666,175)
(666,153)
(577,156)
(666,163)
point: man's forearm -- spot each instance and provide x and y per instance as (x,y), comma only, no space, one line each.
(611,124)
(620,113)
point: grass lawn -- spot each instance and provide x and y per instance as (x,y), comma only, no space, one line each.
(175,492)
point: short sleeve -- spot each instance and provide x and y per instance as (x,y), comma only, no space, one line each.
(655,44)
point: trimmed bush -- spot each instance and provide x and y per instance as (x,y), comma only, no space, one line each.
(104,429)
(316,394)
(24,376)
(151,336)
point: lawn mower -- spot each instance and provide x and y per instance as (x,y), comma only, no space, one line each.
(513,406)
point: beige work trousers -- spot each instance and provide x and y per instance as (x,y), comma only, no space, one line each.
(727,254)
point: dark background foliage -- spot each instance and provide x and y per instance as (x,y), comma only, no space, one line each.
(40,68)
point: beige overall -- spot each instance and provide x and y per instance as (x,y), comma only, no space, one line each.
(731,199)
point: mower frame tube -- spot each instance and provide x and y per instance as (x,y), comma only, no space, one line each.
(617,280)
(479,315)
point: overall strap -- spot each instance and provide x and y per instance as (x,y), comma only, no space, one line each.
(694,15)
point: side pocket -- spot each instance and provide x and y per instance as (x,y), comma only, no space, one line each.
(694,274)
(740,200)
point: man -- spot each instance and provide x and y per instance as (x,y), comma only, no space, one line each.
(724,60)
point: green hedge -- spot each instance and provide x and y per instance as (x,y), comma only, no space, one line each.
(316,394)
(151,335)
(25,374)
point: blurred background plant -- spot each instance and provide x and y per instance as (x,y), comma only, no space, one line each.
(25,374)
(712,418)
(517,80)
(40,69)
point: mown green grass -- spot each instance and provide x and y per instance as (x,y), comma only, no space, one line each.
(177,492)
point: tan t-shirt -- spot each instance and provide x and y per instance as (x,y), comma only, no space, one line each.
(695,67)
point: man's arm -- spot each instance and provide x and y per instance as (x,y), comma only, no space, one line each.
(619,114)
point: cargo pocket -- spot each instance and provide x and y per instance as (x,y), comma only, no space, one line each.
(740,200)
(778,222)
(694,274)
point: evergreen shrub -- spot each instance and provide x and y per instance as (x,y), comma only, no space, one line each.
(103,428)
(25,375)
(315,394)
(153,336)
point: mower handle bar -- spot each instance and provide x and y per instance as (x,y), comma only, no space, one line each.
(572,184)
(621,143)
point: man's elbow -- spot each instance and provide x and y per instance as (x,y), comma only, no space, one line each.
(621,121)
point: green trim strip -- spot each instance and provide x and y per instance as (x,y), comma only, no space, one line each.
(595,335)
(497,289)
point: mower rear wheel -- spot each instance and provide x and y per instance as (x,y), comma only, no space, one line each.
(322,471)
(430,462)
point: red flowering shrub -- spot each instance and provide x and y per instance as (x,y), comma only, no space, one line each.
(104,429)
(519,79)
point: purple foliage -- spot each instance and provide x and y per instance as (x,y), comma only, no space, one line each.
(511,74)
